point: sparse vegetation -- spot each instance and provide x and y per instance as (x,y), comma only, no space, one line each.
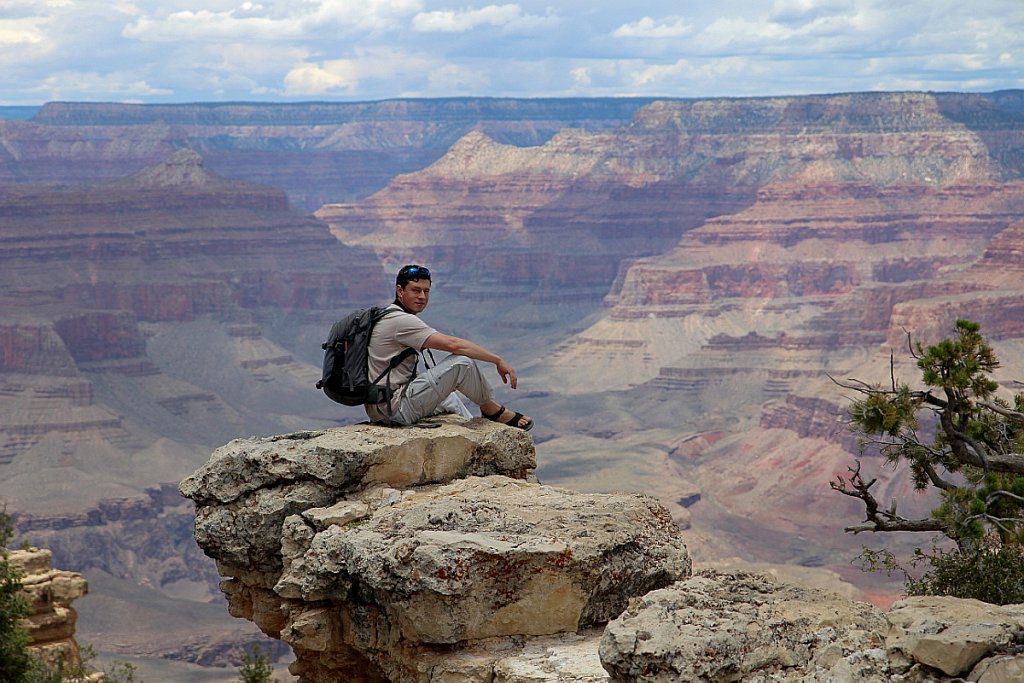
(957,437)
(256,667)
(15,662)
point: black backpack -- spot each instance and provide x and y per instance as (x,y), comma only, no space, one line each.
(346,352)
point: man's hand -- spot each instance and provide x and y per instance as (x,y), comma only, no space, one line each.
(508,374)
(464,347)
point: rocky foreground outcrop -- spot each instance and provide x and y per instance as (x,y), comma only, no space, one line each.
(423,555)
(49,592)
(413,554)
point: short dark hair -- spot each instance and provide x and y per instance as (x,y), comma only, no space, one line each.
(411,272)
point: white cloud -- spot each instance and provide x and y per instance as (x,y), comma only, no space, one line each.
(83,85)
(205,25)
(581,76)
(338,76)
(278,20)
(366,15)
(727,34)
(238,49)
(692,73)
(453,78)
(458,21)
(803,11)
(21,32)
(669,27)
(257,60)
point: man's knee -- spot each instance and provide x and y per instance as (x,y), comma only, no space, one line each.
(466,367)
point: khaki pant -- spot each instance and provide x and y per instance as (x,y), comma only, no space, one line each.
(433,391)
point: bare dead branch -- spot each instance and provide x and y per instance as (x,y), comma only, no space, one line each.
(877,519)
(910,344)
(1002,494)
(892,370)
(1005,412)
(998,522)
(864,387)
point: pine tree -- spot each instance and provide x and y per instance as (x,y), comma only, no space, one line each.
(957,437)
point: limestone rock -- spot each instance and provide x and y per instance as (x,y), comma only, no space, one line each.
(729,627)
(1001,669)
(743,627)
(486,557)
(384,554)
(50,592)
(359,456)
(951,634)
(249,486)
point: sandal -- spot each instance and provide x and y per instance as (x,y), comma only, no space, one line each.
(514,422)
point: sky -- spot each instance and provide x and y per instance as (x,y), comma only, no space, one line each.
(355,50)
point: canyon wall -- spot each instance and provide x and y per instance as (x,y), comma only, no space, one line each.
(315,152)
(675,282)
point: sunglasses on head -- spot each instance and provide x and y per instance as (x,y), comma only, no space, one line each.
(415,272)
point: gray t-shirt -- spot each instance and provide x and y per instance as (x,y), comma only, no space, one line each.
(393,334)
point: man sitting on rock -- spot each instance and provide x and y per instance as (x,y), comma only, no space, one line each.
(432,392)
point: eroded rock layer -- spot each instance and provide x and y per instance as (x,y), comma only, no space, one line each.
(49,592)
(379,553)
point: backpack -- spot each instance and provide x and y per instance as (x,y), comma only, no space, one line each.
(346,360)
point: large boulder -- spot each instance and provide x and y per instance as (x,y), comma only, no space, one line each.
(248,487)
(741,627)
(744,627)
(383,554)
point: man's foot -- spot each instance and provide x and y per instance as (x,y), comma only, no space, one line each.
(509,417)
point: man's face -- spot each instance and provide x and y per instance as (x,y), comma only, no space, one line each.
(415,295)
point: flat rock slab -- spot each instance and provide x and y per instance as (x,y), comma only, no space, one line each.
(952,634)
(485,557)
(736,627)
(249,486)
(360,456)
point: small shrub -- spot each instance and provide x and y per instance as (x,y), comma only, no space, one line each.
(15,662)
(256,667)
(993,573)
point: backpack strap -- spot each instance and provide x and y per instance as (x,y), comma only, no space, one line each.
(395,361)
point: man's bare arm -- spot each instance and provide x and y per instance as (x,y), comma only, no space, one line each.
(464,347)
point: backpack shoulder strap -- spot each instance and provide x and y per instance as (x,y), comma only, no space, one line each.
(379,313)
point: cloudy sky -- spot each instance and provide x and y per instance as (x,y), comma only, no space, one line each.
(289,50)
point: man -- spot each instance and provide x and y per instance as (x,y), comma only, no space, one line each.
(432,392)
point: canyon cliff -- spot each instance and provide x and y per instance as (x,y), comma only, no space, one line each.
(49,593)
(315,152)
(675,281)
(407,555)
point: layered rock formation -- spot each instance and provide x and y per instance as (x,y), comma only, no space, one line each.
(414,555)
(50,592)
(136,336)
(315,152)
(673,291)
(424,555)
(101,286)
(742,627)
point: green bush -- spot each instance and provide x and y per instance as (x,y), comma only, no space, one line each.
(992,574)
(256,667)
(16,664)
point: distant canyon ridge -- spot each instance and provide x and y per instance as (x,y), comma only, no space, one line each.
(676,280)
